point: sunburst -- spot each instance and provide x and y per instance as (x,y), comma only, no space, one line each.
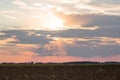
(54,23)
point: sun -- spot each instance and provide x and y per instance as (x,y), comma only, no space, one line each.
(49,22)
(54,23)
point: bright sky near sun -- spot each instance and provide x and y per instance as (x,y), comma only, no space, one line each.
(59,30)
(43,13)
(37,15)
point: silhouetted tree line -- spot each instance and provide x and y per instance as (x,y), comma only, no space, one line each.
(82,62)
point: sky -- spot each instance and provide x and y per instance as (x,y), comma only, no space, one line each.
(59,30)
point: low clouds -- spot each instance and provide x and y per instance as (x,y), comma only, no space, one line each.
(22,42)
(94,46)
(8,40)
(1,34)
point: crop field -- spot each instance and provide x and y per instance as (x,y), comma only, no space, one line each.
(59,72)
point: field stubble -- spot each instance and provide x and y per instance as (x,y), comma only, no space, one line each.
(60,72)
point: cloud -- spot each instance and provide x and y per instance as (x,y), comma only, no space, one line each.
(32,39)
(90,6)
(8,40)
(20,3)
(83,28)
(88,50)
(109,41)
(23,5)
(9,13)
(11,45)
(2,34)
(55,48)
(74,13)
(89,20)
(18,49)
(81,6)
(38,4)
(98,46)
(8,16)
(27,46)
(103,59)
(86,44)
(92,41)
(91,46)
(91,30)
(73,7)
(28,36)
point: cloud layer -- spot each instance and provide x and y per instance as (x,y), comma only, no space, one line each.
(29,14)
(89,30)
(47,45)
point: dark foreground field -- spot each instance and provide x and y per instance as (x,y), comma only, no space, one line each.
(60,72)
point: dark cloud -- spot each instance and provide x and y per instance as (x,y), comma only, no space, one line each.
(108,32)
(109,25)
(88,20)
(24,37)
(92,49)
(103,2)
